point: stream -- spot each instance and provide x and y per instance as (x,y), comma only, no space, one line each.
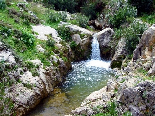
(85,77)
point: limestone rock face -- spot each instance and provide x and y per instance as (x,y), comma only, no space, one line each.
(145,50)
(82,49)
(146,46)
(119,55)
(104,37)
(140,100)
(76,38)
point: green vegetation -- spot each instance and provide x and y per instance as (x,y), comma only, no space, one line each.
(2,4)
(64,33)
(6,105)
(132,33)
(121,14)
(143,6)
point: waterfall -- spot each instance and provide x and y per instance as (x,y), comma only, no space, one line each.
(86,77)
(95,60)
(95,49)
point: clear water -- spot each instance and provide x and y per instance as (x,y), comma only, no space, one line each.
(86,77)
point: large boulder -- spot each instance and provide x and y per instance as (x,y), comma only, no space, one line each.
(140,100)
(104,37)
(119,55)
(145,50)
(146,46)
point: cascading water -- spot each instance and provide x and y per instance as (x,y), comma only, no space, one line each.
(86,77)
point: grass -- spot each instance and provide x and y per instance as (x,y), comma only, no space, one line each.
(148,18)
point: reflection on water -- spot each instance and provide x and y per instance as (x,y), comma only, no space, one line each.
(86,77)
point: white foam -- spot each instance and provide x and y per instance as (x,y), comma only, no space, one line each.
(98,63)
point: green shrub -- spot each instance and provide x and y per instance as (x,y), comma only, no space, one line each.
(57,16)
(62,5)
(50,42)
(143,6)
(73,45)
(93,9)
(149,18)
(28,39)
(121,15)
(82,20)
(132,34)
(2,4)
(64,33)
(6,105)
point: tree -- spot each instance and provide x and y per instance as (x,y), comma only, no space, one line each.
(143,6)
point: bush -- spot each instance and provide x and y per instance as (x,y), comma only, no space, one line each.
(64,33)
(50,42)
(143,6)
(132,34)
(62,5)
(73,45)
(92,10)
(121,14)
(57,16)
(6,105)
(82,20)
(2,4)
(28,39)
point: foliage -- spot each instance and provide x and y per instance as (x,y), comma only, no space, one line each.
(82,20)
(149,18)
(33,68)
(2,4)
(27,38)
(57,16)
(109,111)
(73,45)
(64,33)
(120,13)
(50,42)
(62,5)
(132,34)
(92,10)
(143,6)
(6,105)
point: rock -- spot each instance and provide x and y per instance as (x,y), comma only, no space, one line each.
(40,49)
(147,65)
(140,100)
(96,24)
(145,50)
(119,55)
(76,38)
(104,37)
(43,31)
(6,55)
(146,46)
(152,70)
(76,29)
